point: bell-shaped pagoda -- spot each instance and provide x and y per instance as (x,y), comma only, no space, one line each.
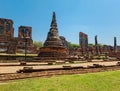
(53,47)
(53,38)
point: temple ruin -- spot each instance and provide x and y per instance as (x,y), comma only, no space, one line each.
(10,44)
(54,46)
(83,41)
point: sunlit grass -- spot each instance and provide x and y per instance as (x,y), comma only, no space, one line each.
(103,81)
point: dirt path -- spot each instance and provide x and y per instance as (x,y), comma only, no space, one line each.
(13,69)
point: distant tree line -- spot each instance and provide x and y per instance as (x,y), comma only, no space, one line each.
(72,45)
(39,44)
(91,45)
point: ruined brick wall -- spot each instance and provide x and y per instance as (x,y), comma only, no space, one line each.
(64,41)
(6,27)
(6,33)
(25,37)
(22,41)
(83,41)
(29,45)
(107,49)
(25,31)
(11,44)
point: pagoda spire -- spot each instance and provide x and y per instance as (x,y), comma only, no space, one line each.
(53,23)
(53,38)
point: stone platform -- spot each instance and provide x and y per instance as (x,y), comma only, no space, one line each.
(58,52)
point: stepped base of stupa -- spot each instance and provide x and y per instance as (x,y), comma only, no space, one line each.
(53,53)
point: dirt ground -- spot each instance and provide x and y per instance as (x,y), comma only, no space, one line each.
(13,69)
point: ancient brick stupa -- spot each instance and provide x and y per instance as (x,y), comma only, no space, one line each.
(53,46)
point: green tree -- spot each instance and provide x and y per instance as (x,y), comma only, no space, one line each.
(73,46)
(38,44)
(91,45)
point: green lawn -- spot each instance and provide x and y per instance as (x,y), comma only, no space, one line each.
(102,81)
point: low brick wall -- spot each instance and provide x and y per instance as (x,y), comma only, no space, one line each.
(14,76)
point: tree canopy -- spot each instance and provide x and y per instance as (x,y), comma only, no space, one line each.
(38,44)
(73,46)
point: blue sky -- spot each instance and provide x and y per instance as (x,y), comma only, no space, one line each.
(93,17)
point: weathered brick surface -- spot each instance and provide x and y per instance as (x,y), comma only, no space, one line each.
(83,40)
(54,46)
(11,44)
